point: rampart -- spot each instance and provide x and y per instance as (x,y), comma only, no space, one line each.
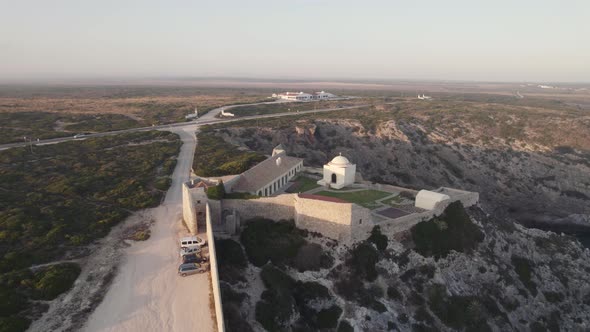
(214,272)
(332,219)
(275,207)
(189,212)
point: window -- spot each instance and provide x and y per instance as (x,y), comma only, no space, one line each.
(199,202)
(360,221)
(200,213)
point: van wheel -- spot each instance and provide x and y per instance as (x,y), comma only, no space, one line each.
(184,274)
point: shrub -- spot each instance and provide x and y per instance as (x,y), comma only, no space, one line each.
(378,238)
(14,324)
(277,304)
(217,192)
(453,230)
(276,280)
(393,293)
(55,280)
(524,268)
(266,240)
(328,318)
(345,326)
(363,259)
(309,257)
(229,252)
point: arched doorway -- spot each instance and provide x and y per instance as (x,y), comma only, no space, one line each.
(333,178)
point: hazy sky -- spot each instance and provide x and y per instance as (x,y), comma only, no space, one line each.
(499,40)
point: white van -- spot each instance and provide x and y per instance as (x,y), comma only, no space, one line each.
(189,250)
(192,241)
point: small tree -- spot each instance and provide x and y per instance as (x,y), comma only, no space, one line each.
(217,192)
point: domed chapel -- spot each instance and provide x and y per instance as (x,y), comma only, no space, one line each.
(338,173)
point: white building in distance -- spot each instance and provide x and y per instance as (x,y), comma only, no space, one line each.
(338,173)
(303,96)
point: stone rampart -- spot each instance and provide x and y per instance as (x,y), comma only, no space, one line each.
(275,208)
(332,219)
(189,213)
(214,272)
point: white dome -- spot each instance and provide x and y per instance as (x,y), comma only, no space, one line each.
(340,161)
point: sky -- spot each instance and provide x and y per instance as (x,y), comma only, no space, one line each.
(477,40)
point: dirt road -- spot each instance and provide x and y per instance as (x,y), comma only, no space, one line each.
(147,294)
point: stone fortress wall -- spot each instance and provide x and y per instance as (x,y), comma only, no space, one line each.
(214,273)
(331,219)
(342,221)
(189,211)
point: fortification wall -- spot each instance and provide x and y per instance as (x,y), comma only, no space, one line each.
(275,208)
(214,272)
(331,219)
(189,213)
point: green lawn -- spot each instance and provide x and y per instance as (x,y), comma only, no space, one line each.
(303,184)
(364,198)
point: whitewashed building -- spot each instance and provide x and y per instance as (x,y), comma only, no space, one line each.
(269,176)
(303,96)
(428,200)
(338,173)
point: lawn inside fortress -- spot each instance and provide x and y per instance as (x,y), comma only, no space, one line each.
(147,294)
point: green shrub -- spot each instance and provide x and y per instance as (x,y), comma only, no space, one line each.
(277,304)
(524,268)
(215,157)
(362,261)
(328,318)
(55,280)
(393,293)
(378,238)
(345,326)
(217,192)
(309,257)
(266,240)
(14,324)
(11,302)
(229,252)
(453,230)
(276,280)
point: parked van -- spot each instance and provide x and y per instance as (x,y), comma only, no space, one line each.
(189,250)
(192,241)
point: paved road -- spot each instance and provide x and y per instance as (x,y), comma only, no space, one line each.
(211,119)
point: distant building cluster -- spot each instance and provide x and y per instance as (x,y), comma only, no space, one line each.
(304,96)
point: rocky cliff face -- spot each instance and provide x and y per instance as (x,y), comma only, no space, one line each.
(510,278)
(536,184)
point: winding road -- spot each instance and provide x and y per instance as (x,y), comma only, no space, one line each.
(146,293)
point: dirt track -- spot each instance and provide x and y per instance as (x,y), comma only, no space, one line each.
(147,294)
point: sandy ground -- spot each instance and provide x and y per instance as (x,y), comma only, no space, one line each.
(147,294)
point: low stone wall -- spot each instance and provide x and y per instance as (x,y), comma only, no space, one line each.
(275,208)
(214,273)
(189,213)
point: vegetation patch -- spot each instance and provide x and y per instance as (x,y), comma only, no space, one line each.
(453,230)
(216,157)
(66,195)
(524,269)
(285,297)
(302,184)
(458,312)
(216,192)
(378,239)
(364,198)
(266,240)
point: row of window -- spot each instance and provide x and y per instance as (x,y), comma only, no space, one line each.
(280,182)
